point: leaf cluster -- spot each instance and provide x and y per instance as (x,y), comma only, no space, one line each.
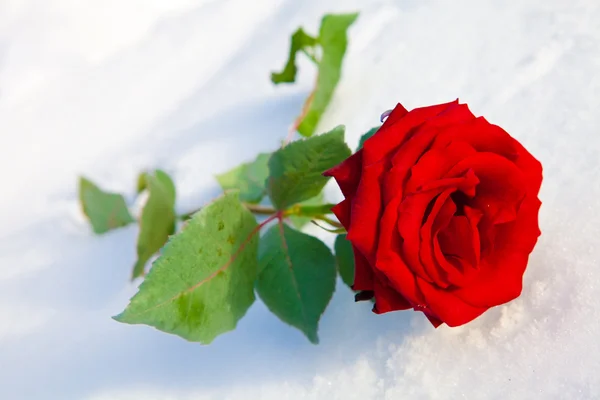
(327,51)
(207,274)
(247,243)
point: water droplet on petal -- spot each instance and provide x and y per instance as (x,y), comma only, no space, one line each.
(385,115)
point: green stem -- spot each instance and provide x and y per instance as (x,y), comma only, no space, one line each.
(311,56)
(337,230)
(260,210)
(329,221)
(309,211)
(254,208)
(317,212)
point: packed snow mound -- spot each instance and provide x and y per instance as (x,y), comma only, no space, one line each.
(108,88)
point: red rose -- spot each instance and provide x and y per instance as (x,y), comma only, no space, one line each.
(441,209)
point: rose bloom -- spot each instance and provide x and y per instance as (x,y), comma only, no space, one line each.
(441,209)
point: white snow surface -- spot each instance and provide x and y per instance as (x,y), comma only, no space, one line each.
(106,88)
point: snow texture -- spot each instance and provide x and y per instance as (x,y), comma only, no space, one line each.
(109,87)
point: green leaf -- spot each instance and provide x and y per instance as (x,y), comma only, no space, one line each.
(366,136)
(157,221)
(248,178)
(295,171)
(203,282)
(300,42)
(344,256)
(104,210)
(334,41)
(297,277)
(142,183)
(299,221)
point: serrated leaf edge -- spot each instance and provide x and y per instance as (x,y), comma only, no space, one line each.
(210,277)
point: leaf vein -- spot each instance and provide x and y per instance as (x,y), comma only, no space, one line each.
(291,267)
(215,273)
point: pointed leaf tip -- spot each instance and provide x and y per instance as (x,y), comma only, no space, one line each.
(333,38)
(300,41)
(297,277)
(157,221)
(249,178)
(202,284)
(141,183)
(295,171)
(105,210)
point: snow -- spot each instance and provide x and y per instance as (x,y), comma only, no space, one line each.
(107,88)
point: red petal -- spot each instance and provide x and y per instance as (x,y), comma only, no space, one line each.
(389,261)
(502,186)
(366,211)
(453,115)
(482,136)
(363,273)
(343,212)
(402,162)
(486,137)
(435,163)
(500,280)
(396,130)
(446,306)
(522,234)
(434,321)
(376,185)
(467,183)
(411,213)
(397,113)
(501,274)
(348,173)
(461,238)
(442,210)
(531,168)
(387,299)
(410,218)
